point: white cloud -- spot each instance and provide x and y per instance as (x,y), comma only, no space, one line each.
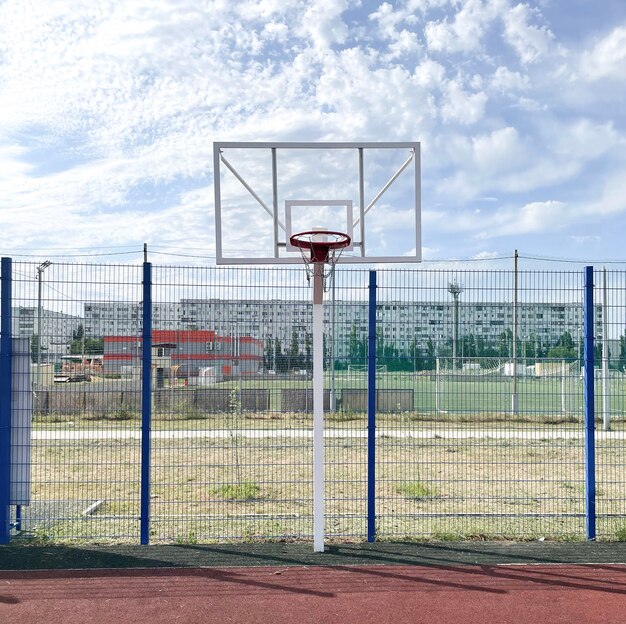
(323,24)
(498,151)
(462,106)
(466,31)
(509,81)
(108,110)
(612,197)
(485,255)
(430,74)
(579,240)
(533,217)
(584,140)
(607,59)
(531,42)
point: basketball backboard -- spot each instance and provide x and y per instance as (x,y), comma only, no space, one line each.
(266,192)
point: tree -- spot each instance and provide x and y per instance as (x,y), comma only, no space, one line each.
(505,344)
(621,358)
(87,346)
(485,350)
(353,346)
(388,354)
(429,360)
(469,347)
(78,333)
(308,351)
(416,358)
(34,347)
(269,354)
(564,348)
(529,349)
(293,355)
(280,361)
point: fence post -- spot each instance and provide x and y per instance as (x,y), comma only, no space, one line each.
(146,402)
(6,352)
(590,451)
(371,412)
(606,377)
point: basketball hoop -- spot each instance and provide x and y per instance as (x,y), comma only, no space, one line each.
(324,247)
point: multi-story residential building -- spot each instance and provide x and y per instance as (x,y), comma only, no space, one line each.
(125,319)
(57,329)
(400,323)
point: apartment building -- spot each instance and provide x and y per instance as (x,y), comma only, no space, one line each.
(57,329)
(399,323)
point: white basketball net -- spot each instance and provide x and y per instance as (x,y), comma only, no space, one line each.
(329,262)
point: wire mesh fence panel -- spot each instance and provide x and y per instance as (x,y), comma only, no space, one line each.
(232,402)
(486,438)
(478,400)
(234,407)
(610,407)
(346,416)
(85,439)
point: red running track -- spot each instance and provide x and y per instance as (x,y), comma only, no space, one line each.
(551,594)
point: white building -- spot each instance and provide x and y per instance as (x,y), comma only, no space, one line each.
(57,329)
(399,323)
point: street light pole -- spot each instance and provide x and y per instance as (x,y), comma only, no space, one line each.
(455,290)
(40,269)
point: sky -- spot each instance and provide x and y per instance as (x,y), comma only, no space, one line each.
(109,110)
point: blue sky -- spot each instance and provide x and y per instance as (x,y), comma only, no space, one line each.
(108,111)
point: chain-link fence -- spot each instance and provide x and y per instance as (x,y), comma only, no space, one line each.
(478,402)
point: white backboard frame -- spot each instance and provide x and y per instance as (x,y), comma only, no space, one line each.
(347,227)
(221,166)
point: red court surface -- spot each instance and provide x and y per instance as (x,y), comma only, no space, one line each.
(470,594)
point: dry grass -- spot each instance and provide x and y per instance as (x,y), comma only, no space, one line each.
(479,486)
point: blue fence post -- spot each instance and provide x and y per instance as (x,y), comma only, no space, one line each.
(590,449)
(6,350)
(146,402)
(371,412)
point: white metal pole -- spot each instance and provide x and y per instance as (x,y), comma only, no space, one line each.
(606,412)
(333,388)
(38,375)
(318,408)
(514,396)
(40,269)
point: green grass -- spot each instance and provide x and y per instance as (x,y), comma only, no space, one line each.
(416,489)
(245,491)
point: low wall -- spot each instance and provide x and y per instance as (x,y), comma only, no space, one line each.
(387,400)
(81,399)
(78,400)
(300,400)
